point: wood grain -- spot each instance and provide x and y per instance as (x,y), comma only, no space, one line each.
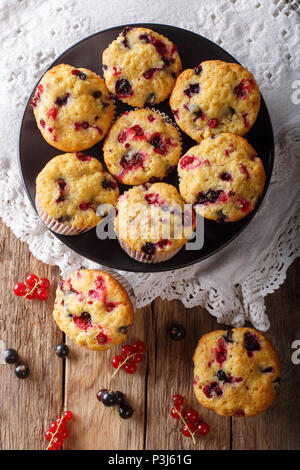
(29,406)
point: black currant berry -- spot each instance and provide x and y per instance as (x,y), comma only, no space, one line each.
(109,398)
(10,356)
(125,411)
(177,332)
(22,371)
(62,350)
(100,393)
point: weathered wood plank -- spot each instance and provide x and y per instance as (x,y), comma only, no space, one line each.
(170,372)
(27,406)
(278,427)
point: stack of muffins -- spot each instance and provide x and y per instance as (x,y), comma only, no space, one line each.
(216,103)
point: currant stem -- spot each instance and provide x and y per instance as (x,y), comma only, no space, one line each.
(116,415)
(185,423)
(57,429)
(122,364)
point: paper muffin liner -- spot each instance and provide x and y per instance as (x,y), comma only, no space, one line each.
(124,283)
(158,257)
(55,226)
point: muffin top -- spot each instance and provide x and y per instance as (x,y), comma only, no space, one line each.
(140,146)
(73,108)
(150,219)
(215,97)
(141,66)
(71,187)
(223,177)
(236,372)
(93,309)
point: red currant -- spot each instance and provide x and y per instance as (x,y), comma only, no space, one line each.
(20,289)
(44,283)
(100,392)
(57,442)
(117,361)
(32,280)
(174,412)
(188,429)
(53,428)
(139,346)
(48,435)
(178,400)
(61,423)
(192,416)
(30,295)
(42,294)
(128,350)
(68,415)
(130,368)
(202,428)
(137,358)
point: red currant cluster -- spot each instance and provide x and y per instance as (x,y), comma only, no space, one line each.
(58,431)
(190,419)
(35,288)
(131,356)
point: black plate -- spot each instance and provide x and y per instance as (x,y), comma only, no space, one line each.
(34,152)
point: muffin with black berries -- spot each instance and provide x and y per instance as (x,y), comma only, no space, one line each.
(140,67)
(94,309)
(73,108)
(69,190)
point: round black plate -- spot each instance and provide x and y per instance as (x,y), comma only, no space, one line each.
(34,152)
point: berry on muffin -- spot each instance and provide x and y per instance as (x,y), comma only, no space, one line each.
(73,108)
(215,97)
(236,372)
(93,309)
(141,146)
(223,177)
(141,66)
(69,190)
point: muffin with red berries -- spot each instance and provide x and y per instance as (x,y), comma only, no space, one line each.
(222,177)
(141,146)
(93,309)
(151,222)
(140,67)
(69,190)
(73,108)
(237,372)
(215,97)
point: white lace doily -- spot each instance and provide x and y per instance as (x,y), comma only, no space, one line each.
(264,36)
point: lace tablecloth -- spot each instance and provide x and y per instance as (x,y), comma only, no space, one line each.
(264,36)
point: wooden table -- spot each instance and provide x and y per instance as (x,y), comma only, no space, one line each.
(29,406)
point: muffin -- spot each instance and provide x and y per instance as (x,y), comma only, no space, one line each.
(151,224)
(72,107)
(215,97)
(93,309)
(141,66)
(223,177)
(68,191)
(141,146)
(236,372)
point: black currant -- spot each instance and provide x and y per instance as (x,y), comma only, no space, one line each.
(22,371)
(10,356)
(120,398)
(100,393)
(125,411)
(109,398)
(62,350)
(177,332)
